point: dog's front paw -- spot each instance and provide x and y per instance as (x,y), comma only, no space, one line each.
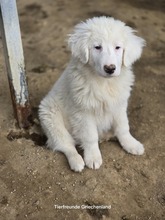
(132,146)
(136,149)
(76,162)
(93,159)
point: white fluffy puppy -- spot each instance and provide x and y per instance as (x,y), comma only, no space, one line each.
(91,96)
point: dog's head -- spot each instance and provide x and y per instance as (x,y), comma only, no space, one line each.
(106,45)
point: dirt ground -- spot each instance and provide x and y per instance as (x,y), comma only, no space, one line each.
(34,181)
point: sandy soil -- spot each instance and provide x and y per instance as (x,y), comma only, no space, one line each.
(33,179)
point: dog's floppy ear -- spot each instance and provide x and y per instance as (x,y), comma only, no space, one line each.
(133,47)
(78,42)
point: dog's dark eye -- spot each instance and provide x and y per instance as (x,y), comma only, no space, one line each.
(98,47)
(117,48)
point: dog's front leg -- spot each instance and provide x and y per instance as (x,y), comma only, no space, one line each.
(121,130)
(88,137)
(92,155)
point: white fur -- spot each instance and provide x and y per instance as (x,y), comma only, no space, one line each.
(86,102)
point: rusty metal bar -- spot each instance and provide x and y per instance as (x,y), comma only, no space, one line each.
(14,58)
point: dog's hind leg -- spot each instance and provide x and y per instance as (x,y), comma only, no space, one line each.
(58,137)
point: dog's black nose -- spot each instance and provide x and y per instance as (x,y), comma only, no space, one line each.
(110,69)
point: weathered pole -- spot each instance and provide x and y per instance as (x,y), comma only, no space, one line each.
(14,58)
